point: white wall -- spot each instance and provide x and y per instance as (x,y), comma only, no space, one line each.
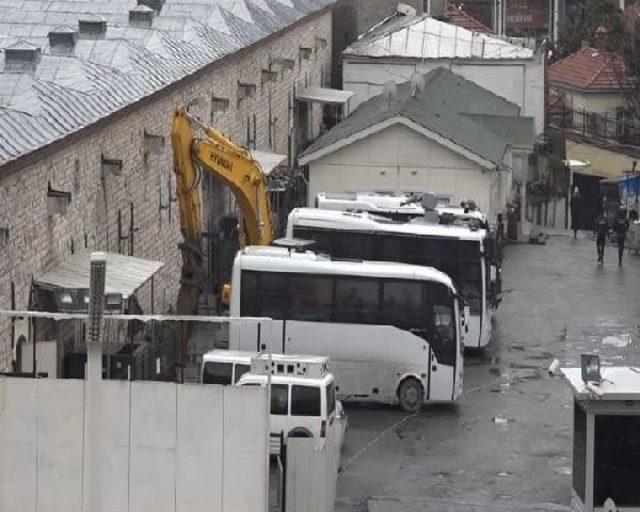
(67,446)
(398,159)
(521,82)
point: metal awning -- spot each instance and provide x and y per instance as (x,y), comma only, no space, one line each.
(268,161)
(125,274)
(324,95)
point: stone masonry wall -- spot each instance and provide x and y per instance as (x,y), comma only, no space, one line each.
(38,242)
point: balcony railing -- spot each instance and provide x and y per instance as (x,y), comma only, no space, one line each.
(606,127)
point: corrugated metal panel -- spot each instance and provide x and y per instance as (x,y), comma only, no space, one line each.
(125,274)
(69,90)
(424,37)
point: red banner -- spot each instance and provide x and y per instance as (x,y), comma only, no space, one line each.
(527,15)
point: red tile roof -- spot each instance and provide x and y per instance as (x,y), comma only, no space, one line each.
(588,69)
(457,16)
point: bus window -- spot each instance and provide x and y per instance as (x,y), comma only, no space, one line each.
(305,401)
(356,301)
(470,282)
(272,295)
(322,238)
(241,369)
(310,298)
(249,294)
(217,373)
(347,245)
(280,399)
(402,304)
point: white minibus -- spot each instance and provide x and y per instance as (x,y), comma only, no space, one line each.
(392,331)
(458,251)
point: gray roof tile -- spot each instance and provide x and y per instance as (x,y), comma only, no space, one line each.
(66,92)
(447,104)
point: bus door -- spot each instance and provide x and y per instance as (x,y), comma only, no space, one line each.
(444,342)
(263,294)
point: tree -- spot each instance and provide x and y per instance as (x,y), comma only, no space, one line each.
(582,21)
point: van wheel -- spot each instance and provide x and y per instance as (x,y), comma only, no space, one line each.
(410,394)
(299,432)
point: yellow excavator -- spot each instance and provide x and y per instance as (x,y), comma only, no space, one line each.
(198,148)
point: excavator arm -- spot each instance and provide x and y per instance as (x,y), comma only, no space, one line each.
(211,152)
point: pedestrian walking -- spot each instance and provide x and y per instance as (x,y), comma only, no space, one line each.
(602,230)
(620,227)
(576,210)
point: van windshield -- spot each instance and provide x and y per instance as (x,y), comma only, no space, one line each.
(241,369)
(217,373)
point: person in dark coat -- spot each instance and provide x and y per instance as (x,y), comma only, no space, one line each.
(620,227)
(602,230)
(576,211)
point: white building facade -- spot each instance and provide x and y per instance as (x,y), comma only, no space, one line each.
(404,45)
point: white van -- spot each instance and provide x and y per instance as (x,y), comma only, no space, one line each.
(224,367)
(303,395)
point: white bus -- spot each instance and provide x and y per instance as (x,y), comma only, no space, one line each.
(392,331)
(457,251)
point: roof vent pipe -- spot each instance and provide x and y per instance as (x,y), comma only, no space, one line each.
(22,57)
(62,40)
(390,93)
(141,16)
(156,5)
(92,29)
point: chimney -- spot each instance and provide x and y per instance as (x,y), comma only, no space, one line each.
(601,37)
(141,16)
(21,57)
(156,5)
(62,40)
(92,28)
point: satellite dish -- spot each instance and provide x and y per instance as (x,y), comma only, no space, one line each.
(610,506)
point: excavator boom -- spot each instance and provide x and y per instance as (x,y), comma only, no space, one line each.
(211,152)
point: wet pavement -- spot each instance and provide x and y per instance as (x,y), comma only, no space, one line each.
(507,444)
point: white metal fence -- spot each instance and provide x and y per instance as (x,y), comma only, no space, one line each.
(119,446)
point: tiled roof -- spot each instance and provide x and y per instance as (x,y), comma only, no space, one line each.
(60,90)
(588,69)
(424,37)
(447,104)
(459,17)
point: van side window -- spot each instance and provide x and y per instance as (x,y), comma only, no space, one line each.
(217,373)
(305,401)
(241,369)
(280,399)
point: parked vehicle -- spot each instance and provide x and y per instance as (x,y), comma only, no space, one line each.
(224,367)
(463,253)
(392,331)
(303,395)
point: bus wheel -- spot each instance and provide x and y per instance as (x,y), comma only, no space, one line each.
(410,394)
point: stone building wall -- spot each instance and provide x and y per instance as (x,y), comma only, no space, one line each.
(146,185)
